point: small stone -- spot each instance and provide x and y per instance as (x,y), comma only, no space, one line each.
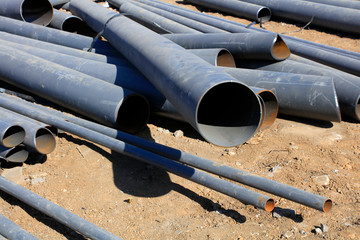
(178,133)
(160,129)
(322,180)
(14,174)
(324,228)
(276,215)
(352,236)
(303,232)
(37,180)
(336,171)
(288,234)
(276,168)
(318,231)
(166,131)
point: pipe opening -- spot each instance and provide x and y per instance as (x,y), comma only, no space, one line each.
(18,154)
(44,141)
(53,130)
(133,114)
(280,50)
(271,108)
(13,136)
(38,12)
(327,205)
(225,59)
(357,110)
(229,114)
(73,25)
(269,205)
(264,15)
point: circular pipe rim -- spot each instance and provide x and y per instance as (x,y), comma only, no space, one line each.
(44,141)
(41,17)
(279,49)
(13,136)
(263,15)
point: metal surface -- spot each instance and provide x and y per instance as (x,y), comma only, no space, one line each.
(219,57)
(58,2)
(204,95)
(340,3)
(38,137)
(298,95)
(282,190)
(236,8)
(66,22)
(36,12)
(11,230)
(11,134)
(16,154)
(268,46)
(86,95)
(54,211)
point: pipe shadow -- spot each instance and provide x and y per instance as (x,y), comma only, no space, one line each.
(288,213)
(312,122)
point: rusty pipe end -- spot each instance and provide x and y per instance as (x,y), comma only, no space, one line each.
(280,50)
(225,59)
(271,108)
(38,12)
(45,141)
(327,205)
(269,205)
(13,136)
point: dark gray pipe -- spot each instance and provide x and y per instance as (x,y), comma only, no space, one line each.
(298,95)
(66,22)
(340,3)
(54,211)
(96,99)
(11,134)
(236,8)
(219,57)
(16,154)
(38,137)
(11,230)
(57,3)
(205,179)
(203,95)
(267,46)
(347,85)
(37,12)
(282,190)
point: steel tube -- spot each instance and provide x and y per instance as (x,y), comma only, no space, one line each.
(54,211)
(237,8)
(219,57)
(37,12)
(267,46)
(282,190)
(58,2)
(16,154)
(11,134)
(178,74)
(66,22)
(298,95)
(340,3)
(11,230)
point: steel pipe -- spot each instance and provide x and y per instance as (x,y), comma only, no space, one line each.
(37,12)
(340,3)
(202,94)
(86,95)
(54,211)
(219,57)
(16,154)
(11,230)
(267,46)
(237,8)
(66,22)
(11,134)
(282,190)
(298,95)
(56,3)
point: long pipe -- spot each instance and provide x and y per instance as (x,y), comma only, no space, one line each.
(16,154)
(203,95)
(246,10)
(243,194)
(279,189)
(11,230)
(219,57)
(86,95)
(298,95)
(54,211)
(340,3)
(267,46)
(37,12)
(57,3)
(11,134)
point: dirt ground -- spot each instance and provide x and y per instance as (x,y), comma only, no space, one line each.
(137,201)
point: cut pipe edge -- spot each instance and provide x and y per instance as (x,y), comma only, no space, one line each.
(13,136)
(279,50)
(38,12)
(263,15)
(218,57)
(16,154)
(225,59)
(269,205)
(44,141)
(72,24)
(228,114)
(327,205)
(271,108)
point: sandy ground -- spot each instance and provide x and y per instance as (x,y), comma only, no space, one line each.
(137,201)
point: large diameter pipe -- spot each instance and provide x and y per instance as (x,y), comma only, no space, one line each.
(86,95)
(267,46)
(219,57)
(298,95)
(11,134)
(54,211)
(37,12)
(203,95)
(16,154)
(279,189)
(237,8)
(11,230)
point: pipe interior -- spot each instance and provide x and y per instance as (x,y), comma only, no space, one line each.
(271,108)
(133,114)
(264,15)
(357,110)
(225,59)
(269,205)
(73,25)
(44,141)
(327,205)
(280,50)
(13,136)
(37,12)
(17,154)
(229,114)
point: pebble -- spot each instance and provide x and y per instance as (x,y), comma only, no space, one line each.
(178,133)
(37,180)
(324,228)
(276,168)
(14,174)
(288,234)
(318,230)
(323,180)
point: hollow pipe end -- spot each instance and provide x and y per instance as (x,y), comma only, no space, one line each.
(263,15)
(13,136)
(18,155)
(269,205)
(280,51)
(225,59)
(45,141)
(271,108)
(39,12)
(327,205)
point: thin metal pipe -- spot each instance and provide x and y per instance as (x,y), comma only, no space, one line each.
(11,230)
(36,12)
(17,154)
(282,190)
(219,57)
(54,211)
(11,134)
(86,95)
(177,74)
(242,194)
(267,46)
